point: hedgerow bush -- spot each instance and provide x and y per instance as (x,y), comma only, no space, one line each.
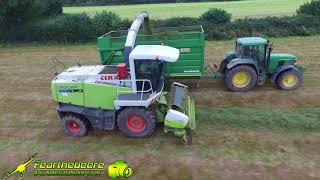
(270,26)
(82,28)
(125,24)
(216,16)
(310,8)
(66,28)
(176,21)
(76,27)
(49,7)
(105,22)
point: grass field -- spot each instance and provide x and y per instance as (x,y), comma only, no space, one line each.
(239,9)
(262,134)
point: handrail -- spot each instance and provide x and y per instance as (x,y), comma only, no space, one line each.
(142,91)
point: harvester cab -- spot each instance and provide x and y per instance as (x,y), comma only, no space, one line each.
(146,67)
(129,95)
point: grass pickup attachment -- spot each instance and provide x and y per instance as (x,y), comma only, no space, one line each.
(181,112)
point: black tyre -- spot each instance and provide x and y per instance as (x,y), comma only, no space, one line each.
(241,78)
(289,80)
(75,125)
(188,138)
(137,122)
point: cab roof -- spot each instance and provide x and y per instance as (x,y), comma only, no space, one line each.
(155,52)
(252,41)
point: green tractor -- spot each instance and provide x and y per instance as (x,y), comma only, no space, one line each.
(252,62)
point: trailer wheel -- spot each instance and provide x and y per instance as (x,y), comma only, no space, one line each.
(289,80)
(241,78)
(137,122)
(74,125)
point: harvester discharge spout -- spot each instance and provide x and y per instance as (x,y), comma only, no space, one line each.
(143,17)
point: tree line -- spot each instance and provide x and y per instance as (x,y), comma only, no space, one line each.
(34,20)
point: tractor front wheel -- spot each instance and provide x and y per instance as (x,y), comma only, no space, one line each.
(289,80)
(137,122)
(241,78)
(74,125)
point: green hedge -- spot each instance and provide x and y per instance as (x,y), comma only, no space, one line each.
(117,2)
(310,8)
(82,28)
(67,28)
(216,16)
(303,25)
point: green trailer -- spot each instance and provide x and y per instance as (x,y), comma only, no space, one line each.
(189,40)
(251,62)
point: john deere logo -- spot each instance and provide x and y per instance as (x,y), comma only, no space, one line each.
(119,168)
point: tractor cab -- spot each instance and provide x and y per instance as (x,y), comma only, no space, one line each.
(254,48)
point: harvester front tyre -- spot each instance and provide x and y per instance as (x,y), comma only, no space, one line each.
(289,80)
(75,125)
(241,78)
(137,122)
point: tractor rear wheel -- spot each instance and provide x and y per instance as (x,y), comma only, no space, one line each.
(137,122)
(241,78)
(75,125)
(289,80)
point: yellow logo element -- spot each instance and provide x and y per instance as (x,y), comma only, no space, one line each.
(22,168)
(119,168)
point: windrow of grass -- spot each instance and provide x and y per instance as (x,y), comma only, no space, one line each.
(291,119)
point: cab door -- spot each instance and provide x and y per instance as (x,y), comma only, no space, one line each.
(153,70)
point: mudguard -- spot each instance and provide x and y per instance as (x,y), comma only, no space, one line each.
(237,61)
(284,68)
(98,118)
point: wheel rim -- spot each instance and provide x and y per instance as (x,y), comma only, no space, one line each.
(290,80)
(241,79)
(73,126)
(136,123)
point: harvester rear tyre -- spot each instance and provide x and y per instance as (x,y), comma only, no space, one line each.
(74,125)
(137,122)
(289,80)
(245,84)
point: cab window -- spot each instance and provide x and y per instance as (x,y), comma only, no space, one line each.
(151,70)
